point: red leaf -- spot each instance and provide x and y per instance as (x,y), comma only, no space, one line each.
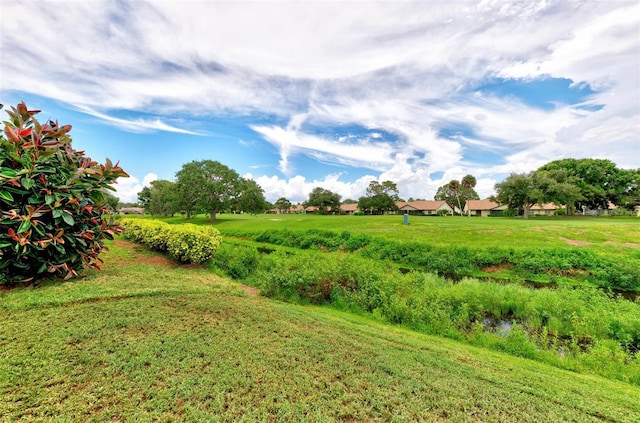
(12,134)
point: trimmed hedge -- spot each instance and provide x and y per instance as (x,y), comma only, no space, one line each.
(186,243)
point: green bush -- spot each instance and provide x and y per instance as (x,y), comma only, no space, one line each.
(186,243)
(236,261)
(559,326)
(54,212)
(457,262)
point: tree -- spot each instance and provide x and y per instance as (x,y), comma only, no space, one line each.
(324,199)
(163,198)
(54,215)
(283,205)
(630,196)
(599,181)
(519,192)
(380,197)
(458,192)
(556,186)
(144,197)
(251,198)
(207,186)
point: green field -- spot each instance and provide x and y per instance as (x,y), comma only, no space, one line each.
(146,340)
(600,251)
(619,234)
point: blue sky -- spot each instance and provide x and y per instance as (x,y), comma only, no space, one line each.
(334,94)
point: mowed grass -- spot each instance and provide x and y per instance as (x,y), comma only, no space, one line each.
(611,233)
(145,340)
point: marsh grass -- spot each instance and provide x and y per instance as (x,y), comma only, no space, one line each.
(147,341)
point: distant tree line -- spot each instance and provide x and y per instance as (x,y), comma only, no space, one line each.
(574,183)
(204,186)
(210,187)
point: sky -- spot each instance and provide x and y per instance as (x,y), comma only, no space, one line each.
(297,95)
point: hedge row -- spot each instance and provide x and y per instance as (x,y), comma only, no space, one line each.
(186,243)
(453,261)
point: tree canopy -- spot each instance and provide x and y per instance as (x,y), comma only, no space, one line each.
(519,192)
(251,198)
(380,197)
(458,192)
(207,186)
(282,204)
(324,199)
(599,182)
(163,198)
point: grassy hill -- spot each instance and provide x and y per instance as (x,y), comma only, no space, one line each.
(147,340)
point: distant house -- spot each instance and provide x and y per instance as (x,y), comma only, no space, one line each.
(294,209)
(483,208)
(311,209)
(597,212)
(131,210)
(424,207)
(348,208)
(547,209)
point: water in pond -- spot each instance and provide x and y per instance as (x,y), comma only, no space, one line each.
(497,326)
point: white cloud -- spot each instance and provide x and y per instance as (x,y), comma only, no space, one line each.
(399,68)
(127,189)
(137,125)
(361,153)
(296,189)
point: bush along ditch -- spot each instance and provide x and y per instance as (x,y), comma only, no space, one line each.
(457,262)
(577,329)
(185,243)
(54,214)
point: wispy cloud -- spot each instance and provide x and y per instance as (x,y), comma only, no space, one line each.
(139,124)
(409,69)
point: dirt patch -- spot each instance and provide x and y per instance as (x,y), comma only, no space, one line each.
(140,255)
(251,291)
(497,268)
(575,242)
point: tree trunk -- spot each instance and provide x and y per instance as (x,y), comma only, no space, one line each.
(526,211)
(213,215)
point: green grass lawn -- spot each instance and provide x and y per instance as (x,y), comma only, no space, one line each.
(144,340)
(613,234)
(612,239)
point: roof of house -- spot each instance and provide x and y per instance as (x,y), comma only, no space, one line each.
(349,207)
(545,206)
(132,210)
(422,205)
(485,204)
